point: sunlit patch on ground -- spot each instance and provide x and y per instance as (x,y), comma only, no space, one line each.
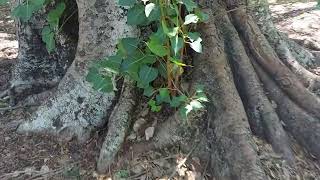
(8,42)
(300,21)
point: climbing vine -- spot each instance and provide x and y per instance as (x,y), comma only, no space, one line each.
(25,10)
(156,63)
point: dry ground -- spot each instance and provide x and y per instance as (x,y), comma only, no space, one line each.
(41,157)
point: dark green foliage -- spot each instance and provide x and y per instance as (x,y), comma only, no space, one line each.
(157,64)
(25,10)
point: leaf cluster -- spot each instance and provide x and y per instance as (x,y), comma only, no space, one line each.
(24,11)
(156,65)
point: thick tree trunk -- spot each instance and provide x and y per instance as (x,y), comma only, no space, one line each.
(76,109)
(36,69)
(234,153)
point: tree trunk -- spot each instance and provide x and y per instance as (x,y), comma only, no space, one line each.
(37,70)
(255,78)
(76,109)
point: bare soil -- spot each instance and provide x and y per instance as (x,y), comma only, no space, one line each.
(43,157)
(300,21)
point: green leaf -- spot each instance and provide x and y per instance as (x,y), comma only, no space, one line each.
(113,63)
(122,174)
(99,82)
(55,14)
(196,105)
(196,45)
(190,4)
(199,88)
(171,32)
(147,74)
(176,44)
(163,96)
(193,36)
(159,35)
(127,46)
(156,47)
(23,12)
(154,107)
(202,97)
(183,112)
(48,38)
(177,61)
(202,16)
(162,70)
(178,100)
(191,18)
(148,9)
(148,59)
(3,2)
(155,14)
(38,3)
(136,15)
(126,2)
(137,59)
(148,91)
(129,65)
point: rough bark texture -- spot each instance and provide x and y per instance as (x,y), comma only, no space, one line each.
(234,154)
(304,128)
(281,45)
(238,55)
(267,58)
(263,119)
(36,69)
(118,125)
(76,109)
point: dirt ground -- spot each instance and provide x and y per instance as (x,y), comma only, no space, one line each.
(43,157)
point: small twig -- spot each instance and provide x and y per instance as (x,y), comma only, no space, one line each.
(205,168)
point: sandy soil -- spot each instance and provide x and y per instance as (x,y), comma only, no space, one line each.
(300,21)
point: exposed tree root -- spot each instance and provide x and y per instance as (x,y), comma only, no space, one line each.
(304,128)
(75,109)
(256,102)
(280,44)
(266,57)
(305,57)
(118,125)
(310,80)
(234,151)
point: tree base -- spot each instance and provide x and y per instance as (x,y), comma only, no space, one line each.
(243,75)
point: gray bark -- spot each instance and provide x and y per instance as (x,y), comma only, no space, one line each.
(76,109)
(234,155)
(36,69)
(262,117)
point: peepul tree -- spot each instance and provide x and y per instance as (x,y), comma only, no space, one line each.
(255,78)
